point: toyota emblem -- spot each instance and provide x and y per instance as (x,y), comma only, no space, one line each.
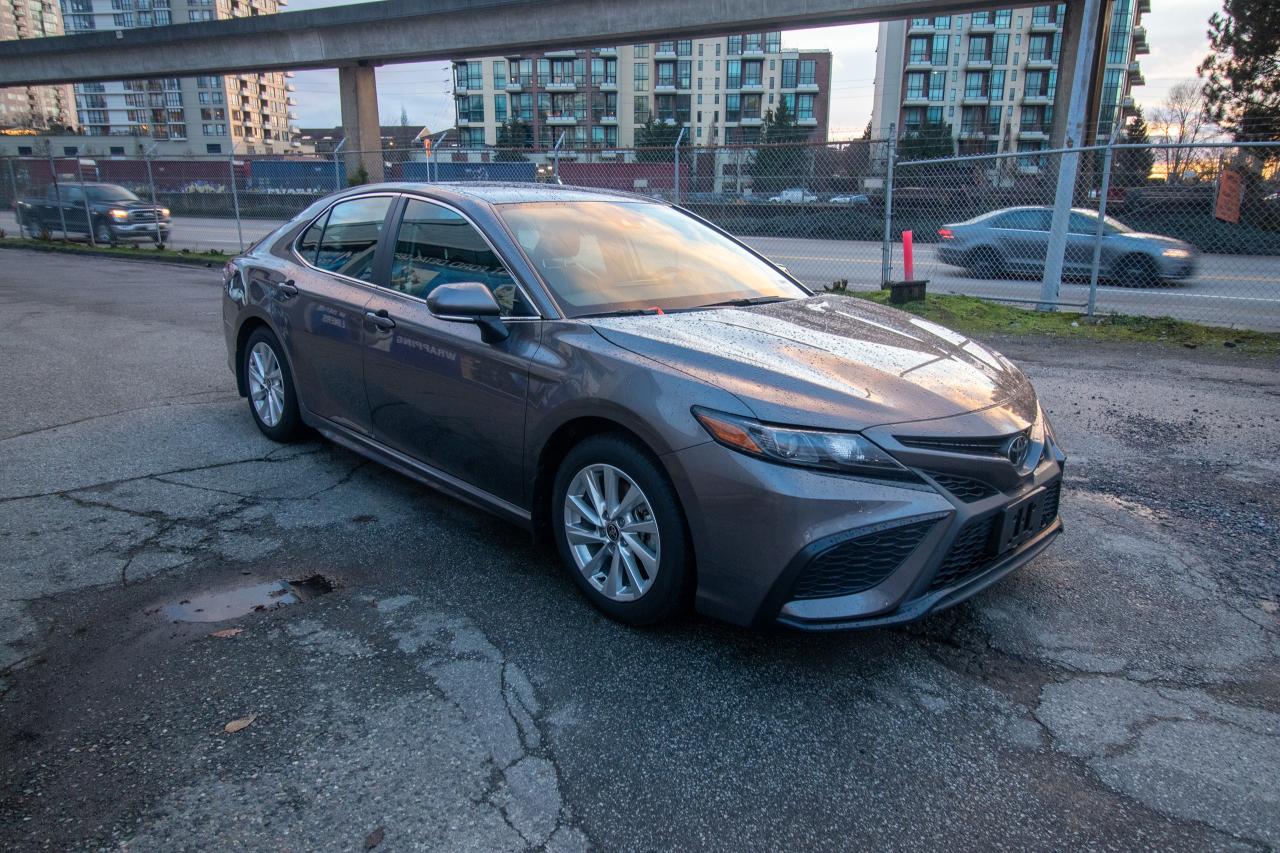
(1017,449)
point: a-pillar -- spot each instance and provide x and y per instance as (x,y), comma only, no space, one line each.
(358,93)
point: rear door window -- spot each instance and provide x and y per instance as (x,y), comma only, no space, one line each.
(1025,220)
(436,245)
(350,238)
(309,242)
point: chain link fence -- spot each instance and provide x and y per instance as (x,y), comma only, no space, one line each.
(1191,232)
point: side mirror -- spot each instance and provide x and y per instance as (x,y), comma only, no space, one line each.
(469,302)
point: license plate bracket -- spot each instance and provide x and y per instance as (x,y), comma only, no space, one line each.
(1022,519)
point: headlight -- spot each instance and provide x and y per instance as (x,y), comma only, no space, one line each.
(1176,253)
(117,213)
(846,452)
(164,211)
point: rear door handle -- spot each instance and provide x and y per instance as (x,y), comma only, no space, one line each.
(286,290)
(380,320)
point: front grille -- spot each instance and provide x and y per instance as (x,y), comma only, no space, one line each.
(859,564)
(975,546)
(988,446)
(964,488)
(143,216)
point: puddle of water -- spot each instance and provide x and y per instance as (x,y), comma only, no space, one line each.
(241,601)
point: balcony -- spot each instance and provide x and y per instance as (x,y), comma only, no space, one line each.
(465,121)
(664,54)
(978,62)
(751,121)
(560,54)
(1045,25)
(1144,7)
(560,119)
(969,132)
(988,26)
(976,98)
(665,88)
(1135,74)
(919,63)
(807,122)
(755,87)
(1037,98)
(807,87)
(562,84)
(606,52)
(913,99)
(513,86)
(1033,132)
(1042,61)
(606,85)
(921,28)
(1140,45)
(606,119)
(753,51)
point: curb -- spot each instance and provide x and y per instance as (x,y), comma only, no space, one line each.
(202,261)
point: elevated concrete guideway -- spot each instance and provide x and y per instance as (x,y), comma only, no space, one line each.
(414,30)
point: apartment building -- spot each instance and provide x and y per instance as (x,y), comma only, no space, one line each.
(189,115)
(33,107)
(718,89)
(991,78)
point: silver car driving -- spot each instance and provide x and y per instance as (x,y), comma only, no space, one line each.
(682,418)
(1015,241)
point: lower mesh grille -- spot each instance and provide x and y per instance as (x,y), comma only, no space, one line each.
(859,564)
(975,545)
(964,488)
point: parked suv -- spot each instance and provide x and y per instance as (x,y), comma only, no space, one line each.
(111,213)
(682,418)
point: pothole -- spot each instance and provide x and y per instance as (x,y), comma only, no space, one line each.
(241,601)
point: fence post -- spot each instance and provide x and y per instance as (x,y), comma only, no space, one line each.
(1102,215)
(235,196)
(151,182)
(337,172)
(84,196)
(676,180)
(886,245)
(13,182)
(555,158)
(57,195)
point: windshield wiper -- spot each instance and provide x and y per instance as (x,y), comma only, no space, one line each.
(741,303)
(622,312)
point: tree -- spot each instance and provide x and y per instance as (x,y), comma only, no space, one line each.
(780,161)
(404,116)
(657,141)
(1183,118)
(1131,167)
(1242,74)
(513,135)
(931,141)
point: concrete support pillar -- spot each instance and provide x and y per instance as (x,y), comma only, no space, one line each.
(358,92)
(1075,73)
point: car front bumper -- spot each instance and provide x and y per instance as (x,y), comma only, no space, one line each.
(758,527)
(139,229)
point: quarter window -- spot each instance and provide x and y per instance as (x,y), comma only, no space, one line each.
(351,236)
(437,246)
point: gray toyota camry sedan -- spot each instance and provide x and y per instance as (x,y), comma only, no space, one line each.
(685,420)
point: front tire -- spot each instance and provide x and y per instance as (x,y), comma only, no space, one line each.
(621,532)
(1137,271)
(103,235)
(273,402)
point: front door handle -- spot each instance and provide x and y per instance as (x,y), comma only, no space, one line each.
(379,320)
(286,290)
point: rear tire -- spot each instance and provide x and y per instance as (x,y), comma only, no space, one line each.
(621,532)
(1136,271)
(272,399)
(984,262)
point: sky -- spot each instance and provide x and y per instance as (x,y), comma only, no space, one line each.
(1176,31)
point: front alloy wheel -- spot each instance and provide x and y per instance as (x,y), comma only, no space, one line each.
(612,533)
(270,387)
(620,530)
(102,234)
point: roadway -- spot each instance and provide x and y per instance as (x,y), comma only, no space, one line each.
(1230,290)
(455,690)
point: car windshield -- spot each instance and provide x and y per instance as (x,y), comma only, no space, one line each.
(602,257)
(110,192)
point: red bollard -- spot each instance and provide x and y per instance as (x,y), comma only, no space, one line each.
(908,259)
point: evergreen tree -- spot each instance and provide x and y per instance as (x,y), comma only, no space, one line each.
(780,161)
(657,141)
(1242,74)
(1131,167)
(932,141)
(513,135)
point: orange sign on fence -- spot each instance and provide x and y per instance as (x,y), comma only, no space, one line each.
(1230,193)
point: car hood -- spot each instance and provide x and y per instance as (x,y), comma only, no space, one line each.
(831,362)
(1167,242)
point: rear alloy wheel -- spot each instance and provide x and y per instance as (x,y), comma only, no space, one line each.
(620,530)
(1136,271)
(984,263)
(271,396)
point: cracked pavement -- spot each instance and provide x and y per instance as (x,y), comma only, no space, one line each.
(1122,692)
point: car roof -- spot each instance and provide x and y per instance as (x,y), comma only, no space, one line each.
(499,192)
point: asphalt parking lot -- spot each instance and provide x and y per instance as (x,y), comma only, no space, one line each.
(452,691)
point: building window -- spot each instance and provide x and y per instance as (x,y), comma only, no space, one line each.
(24,150)
(1003,17)
(640,109)
(641,51)
(213,148)
(772,42)
(499,74)
(789,73)
(1000,49)
(684,76)
(734,79)
(640,77)
(752,73)
(808,72)
(732,107)
(684,47)
(937,84)
(500,108)
(735,45)
(804,107)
